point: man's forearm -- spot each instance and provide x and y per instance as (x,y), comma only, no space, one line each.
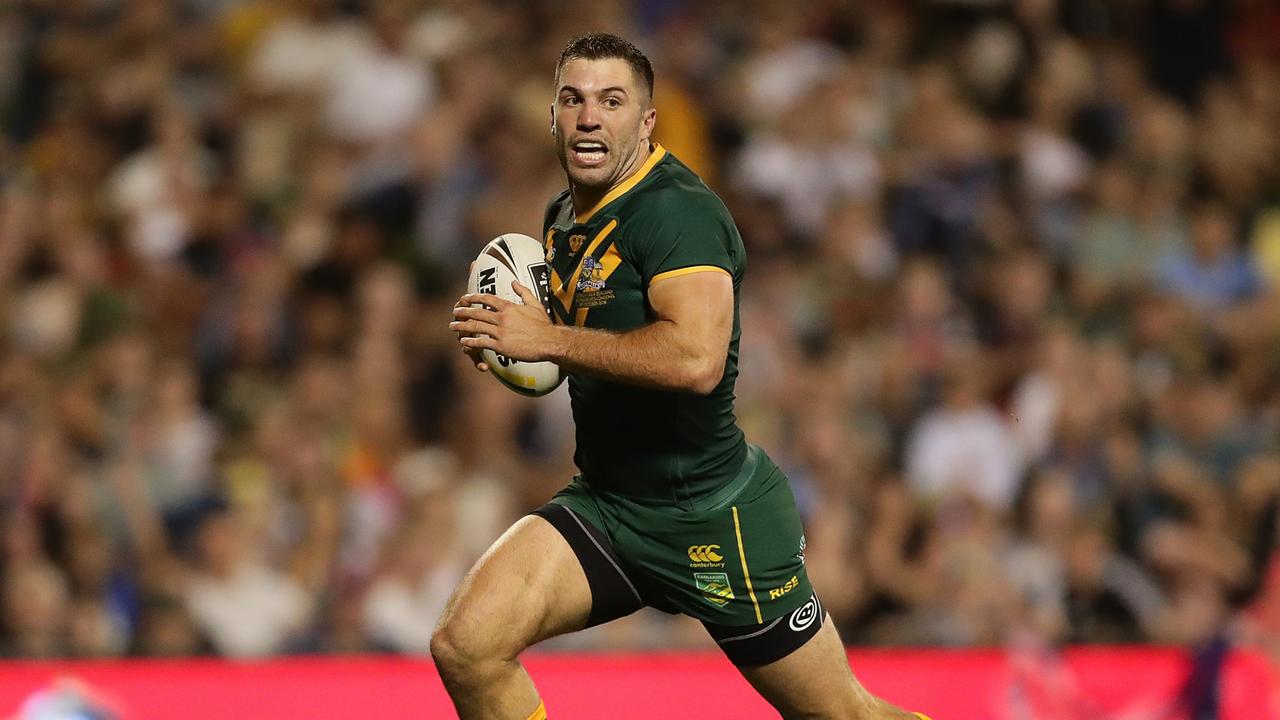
(650,356)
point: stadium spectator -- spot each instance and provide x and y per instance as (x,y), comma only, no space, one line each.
(244,607)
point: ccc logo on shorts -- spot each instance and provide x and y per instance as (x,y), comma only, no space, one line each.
(804,615)
(705,553)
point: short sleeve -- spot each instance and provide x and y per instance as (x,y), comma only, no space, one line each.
(695,238)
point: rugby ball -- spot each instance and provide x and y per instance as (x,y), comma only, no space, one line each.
(516,257)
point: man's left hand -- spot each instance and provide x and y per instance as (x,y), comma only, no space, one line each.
(520,332)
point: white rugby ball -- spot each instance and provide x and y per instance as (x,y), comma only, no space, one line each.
(516,257)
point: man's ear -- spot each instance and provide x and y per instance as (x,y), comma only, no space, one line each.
(553,119)
(647,125)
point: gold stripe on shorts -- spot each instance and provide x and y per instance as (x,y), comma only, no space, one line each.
(737,530)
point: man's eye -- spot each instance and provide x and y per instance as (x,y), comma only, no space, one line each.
(571,100)
(612,102)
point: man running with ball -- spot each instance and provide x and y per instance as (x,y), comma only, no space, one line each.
(673,508)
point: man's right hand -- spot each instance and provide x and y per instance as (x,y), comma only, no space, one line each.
(473,353)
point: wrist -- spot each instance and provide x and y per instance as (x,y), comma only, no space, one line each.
(557,345)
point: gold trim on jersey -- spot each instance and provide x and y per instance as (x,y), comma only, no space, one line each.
(688,271)
(565,290)
(608,263)
(658,153)
(737,530)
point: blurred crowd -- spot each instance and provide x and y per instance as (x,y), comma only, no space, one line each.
(1011,319)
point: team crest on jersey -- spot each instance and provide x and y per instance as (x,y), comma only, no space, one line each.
(714,587)
(591,279)
(575,243)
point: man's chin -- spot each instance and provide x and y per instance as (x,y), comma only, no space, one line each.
(591,180)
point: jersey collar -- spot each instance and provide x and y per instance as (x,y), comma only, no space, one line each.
(658,153)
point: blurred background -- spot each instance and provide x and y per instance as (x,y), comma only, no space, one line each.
(1011,321)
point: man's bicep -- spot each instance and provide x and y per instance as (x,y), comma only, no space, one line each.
(699,302)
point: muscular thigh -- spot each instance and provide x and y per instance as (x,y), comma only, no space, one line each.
(526,588)
(815,682)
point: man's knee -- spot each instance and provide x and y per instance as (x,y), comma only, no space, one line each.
(446,649)
(513,597)
(465,646)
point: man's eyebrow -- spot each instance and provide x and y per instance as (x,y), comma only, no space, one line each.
(576,91)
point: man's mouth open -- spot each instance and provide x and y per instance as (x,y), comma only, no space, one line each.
(588,153)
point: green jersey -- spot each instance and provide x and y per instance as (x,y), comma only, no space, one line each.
(643,443)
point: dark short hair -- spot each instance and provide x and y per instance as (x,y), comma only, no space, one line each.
(602,46)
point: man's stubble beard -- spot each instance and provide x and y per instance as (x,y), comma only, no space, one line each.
(623,160)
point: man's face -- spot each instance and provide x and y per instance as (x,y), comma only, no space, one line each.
(602,121)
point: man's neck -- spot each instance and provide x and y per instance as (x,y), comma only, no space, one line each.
(584,198)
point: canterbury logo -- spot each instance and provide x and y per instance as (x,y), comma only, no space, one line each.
(575,242)
(705,553)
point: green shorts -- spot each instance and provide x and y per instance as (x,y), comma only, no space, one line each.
(734,559)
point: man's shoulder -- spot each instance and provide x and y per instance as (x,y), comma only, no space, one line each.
(677,221)
(675,193)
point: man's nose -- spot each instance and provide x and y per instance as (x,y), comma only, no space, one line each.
(587,120)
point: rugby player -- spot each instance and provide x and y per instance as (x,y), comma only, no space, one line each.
(673,509)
